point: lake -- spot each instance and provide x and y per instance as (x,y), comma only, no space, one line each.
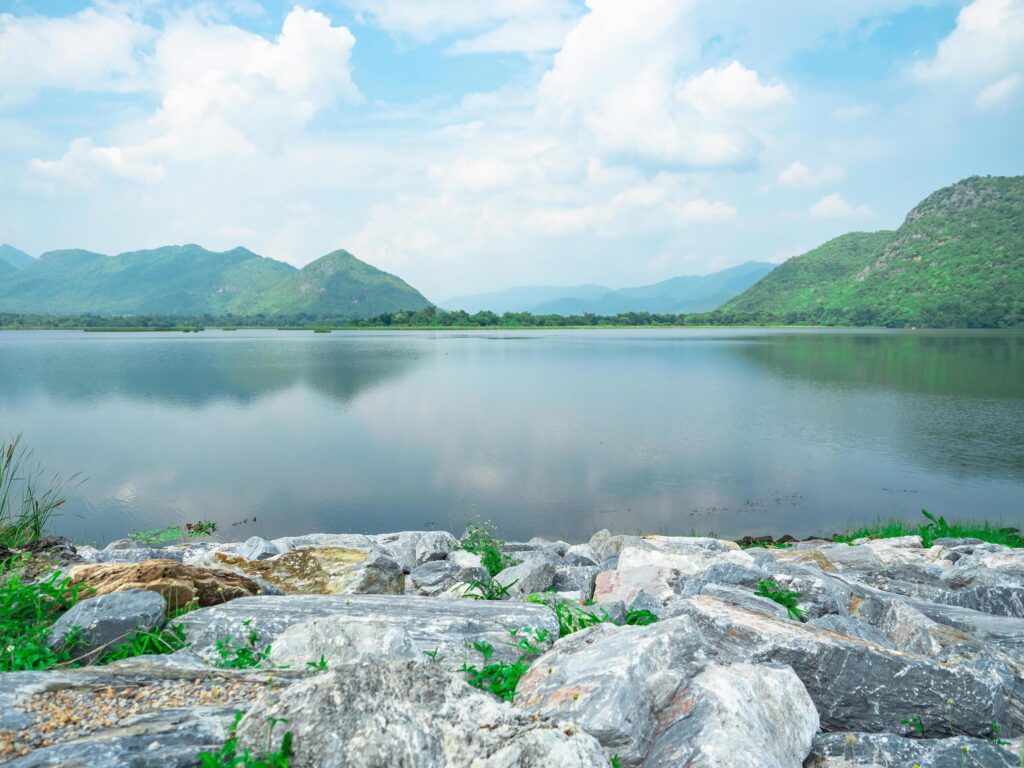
(554,433)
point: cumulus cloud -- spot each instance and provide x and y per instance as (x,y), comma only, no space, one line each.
(90,50)
(799,175)
(835,206)
(986,47)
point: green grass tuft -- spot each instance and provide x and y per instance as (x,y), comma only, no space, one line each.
(936,528)
(27,500)
(228,756)
(784,597)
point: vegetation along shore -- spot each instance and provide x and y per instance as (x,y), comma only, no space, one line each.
(892,645)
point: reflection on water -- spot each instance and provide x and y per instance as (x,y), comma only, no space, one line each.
(545,433)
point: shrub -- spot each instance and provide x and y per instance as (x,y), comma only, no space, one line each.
(480,539)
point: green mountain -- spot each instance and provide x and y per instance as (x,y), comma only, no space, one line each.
(190,280)
(11,256)
(691,293)
(957,261)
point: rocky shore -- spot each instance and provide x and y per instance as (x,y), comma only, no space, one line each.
(885,653)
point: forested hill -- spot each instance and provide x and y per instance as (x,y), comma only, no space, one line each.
(956,262)
(190,280)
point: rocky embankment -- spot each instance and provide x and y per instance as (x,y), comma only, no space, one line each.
(902,655)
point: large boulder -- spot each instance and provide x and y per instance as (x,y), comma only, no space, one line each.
(625,583)
(759,712)
(412,548)
(107,620)
(435,625)
(179,584)
(997,600)
(858,686)
(325,570)
(339,640)
(435,576)
(887,750)
(411,714)
(534,575)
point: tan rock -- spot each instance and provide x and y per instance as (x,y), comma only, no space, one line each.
(324,571)
(177,582)
(803,557)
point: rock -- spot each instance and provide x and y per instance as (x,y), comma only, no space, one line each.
(644,602)
(605,545)
(615,682)
(256,548)
(842,674)
(913,632)
(339,640)
(527,577)
(685,562)
(435,545)
(446,626)
(997,600)
(178,583)
(575,579)
(745,598)
(580,554)
(560,547)
(887,750)
(108,620)
(465,559)
(343,540)
(325,571)
(436,576)
(733,575)
(851,627)
(137,555)
(624,584)
(412,714)
(759,712)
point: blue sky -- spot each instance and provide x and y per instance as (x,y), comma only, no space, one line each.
(469,146)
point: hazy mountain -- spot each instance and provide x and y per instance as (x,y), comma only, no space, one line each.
(190,280)
(957,261)
(693,293)
(12,256)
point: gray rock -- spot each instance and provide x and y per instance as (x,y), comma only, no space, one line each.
(445,625)
(465,559)
(745,598)
(580,554)
(434,577)
(168,738)
(733,574)
(997,600)
(138,555)
(434,545)
(857,686)
(351,540)
(339,640)
(913,632)
(759,713)
(377,575)
(644,602)
(851,627)
(120,544)
(569,578)
(412,714)
(887,750)
(256,548)
(528,577)
(108,620)
(561,547)
(605,545)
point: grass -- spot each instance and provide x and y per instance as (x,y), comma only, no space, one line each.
(28,499)
(502,677)
(229,756)
(480,540)
(488,589)
(572,617)
(171,533)
(241,655)
(27,611)
(936,528)
(145,643)
(784,597)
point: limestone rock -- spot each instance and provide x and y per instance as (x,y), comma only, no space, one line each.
(997,600)
(339,640)
(435,545)
(580,555)
(435,576)
(433,720)
(575,578)
(108,620)
(256,548)
(177,582)
(624,583)
(887,750)
(759,713)
(465,559)
(527,577)
(851,627)
(325,571)
(686,561)
(443,625)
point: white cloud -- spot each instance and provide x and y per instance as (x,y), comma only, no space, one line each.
(90,50)
(702,210)
(484,27)
(83,162)
(835,206)
(799,175)
(854,112)
(985,48)
(729,90)
(999,92)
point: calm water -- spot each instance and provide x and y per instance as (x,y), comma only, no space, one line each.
(552,433)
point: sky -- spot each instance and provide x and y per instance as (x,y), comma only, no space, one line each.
(470,146)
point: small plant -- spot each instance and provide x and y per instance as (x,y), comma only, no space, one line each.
(480,539)
(432,654)
(502,677)
(784,597)
(228,756)
(246,655)
(936,528)
(572,617)
(996,739)
(640,618)
(143,643)
(616,763)
(487,589)
(915,723)
(317,667)
(171,533)
(27,610)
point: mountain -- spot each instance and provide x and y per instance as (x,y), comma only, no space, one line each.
(523,298)
(956,261)
(694,293)
(13,257)
(190,280)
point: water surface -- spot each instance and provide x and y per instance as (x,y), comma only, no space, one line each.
(552,433)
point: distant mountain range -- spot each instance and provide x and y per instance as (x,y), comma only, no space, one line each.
(957,261)
(692,293)
(190,280)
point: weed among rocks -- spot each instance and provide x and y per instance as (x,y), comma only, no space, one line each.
(480,540)
(228,756)
(244,655)
(502,677)
(784,597)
